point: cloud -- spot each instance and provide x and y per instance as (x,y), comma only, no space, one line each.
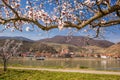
(27,28)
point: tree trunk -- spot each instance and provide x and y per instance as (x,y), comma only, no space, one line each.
(5,64)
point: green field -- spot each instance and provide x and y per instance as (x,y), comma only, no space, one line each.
(46,75)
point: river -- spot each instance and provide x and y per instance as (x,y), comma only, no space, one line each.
(97,64)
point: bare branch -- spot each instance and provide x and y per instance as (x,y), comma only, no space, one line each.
(97,32)
(107,24)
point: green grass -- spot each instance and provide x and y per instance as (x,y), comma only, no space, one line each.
(46,75)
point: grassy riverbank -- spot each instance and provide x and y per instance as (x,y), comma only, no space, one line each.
(48,75)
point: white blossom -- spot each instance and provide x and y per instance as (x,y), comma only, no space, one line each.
(87,2)
(85,30)
(12,29)
(60,25)
(103,21)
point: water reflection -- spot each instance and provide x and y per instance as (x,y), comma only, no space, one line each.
(97,64)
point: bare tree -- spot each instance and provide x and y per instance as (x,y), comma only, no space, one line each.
(50,14)
(9,49)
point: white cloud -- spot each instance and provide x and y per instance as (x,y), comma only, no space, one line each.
(27,28)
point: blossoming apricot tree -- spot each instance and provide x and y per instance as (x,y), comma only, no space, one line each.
(8,50)
(50,14)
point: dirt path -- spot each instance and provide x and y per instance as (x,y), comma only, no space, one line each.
(69,70)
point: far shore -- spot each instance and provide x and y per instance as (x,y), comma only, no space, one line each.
(79,58)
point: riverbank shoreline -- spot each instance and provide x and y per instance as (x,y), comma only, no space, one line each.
(68,70)
(80,58)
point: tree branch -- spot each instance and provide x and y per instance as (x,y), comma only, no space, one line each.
(107,24)
(10,8)
(110,23)
(67,24)
(99,15)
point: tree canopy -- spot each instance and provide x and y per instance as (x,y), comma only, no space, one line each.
(50,14)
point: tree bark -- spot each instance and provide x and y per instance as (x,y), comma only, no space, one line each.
(5,64)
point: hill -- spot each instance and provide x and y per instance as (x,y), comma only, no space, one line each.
(114,49)
(55,44)
(16,38)
(29,45)
(80,41)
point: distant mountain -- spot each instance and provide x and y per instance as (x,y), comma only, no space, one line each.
(16,38)
(73,43)
(78,41)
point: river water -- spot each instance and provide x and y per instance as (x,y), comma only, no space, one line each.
(97,64)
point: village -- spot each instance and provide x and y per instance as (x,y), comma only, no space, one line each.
(65,53)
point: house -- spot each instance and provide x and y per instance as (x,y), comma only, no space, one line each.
(27,54)
(103,56)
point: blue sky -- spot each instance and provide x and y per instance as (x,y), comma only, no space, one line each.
(112,34)
(38,34)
